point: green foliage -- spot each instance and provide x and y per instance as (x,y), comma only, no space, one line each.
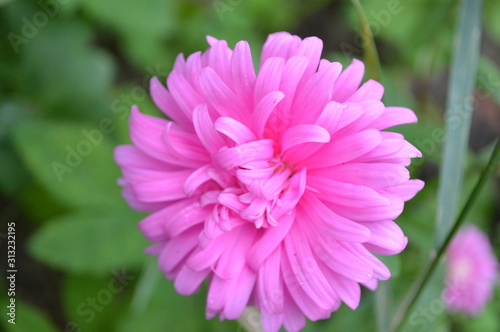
(71,65)
(90,301)
(141,25)
(102,240)
(75,165)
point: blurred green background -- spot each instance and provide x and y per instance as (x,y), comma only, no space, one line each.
(71,69)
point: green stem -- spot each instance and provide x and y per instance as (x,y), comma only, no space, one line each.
(369,47)
(407,305)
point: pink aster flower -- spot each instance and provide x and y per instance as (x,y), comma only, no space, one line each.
(472,270)
(276,187)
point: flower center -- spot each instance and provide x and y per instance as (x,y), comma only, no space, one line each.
(461,271)
(262,192)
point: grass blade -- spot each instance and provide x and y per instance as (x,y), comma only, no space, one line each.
(458,114)
(458,119)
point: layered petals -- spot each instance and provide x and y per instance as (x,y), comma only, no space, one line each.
(277,186)
(471,272)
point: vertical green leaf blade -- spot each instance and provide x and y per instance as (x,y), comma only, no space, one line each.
(458,114)
(458,118)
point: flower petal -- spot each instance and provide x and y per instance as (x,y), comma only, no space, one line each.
(332,254)
(346,289)
(270,285)
(263,111)
(301,134)
(269,78)
(220,96)
(146,132)
(344,149)
(240,288)
(269,241)
(166,103)
(293,74)
(233,258)
(340,228)
(315,94)
(153,226)
(330,116)
(184,145)
(219,58)
(369,90)
(311,48)
(243,71)
(177,248)
(371,109)
(394,116)
(188,281)
(386,238)
(240,155)
(235,130)
(376,175)
(305,269)
(168,188)
(348,81)
(183,93)
(294,319)
(196,179)
(280,44)
(407,190)
(204,127)
(129,156)
(371,213)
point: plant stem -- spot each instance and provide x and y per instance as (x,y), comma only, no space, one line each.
(407,305)
(369,47)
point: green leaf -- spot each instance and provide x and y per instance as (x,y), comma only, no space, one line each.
(95,304)
(27,318)
(93,242)
(458,118)
(70,77)
(458,114)
(72,161)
